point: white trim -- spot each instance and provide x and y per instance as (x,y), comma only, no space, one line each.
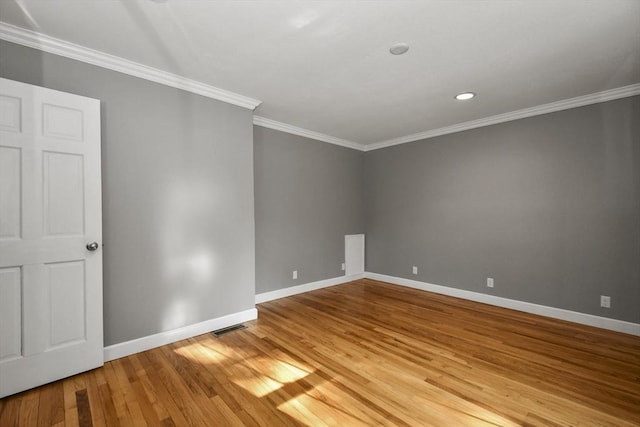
(283,127)
(60,47)
(566,104)
(123,349)
(299,289)
(527,307)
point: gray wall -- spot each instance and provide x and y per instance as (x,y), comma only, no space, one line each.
(177,196)
(308,195)
(548,206)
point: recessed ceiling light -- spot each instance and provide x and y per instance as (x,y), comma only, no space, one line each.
(464,96)
(399,48)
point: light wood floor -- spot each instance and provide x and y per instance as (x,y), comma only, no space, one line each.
(360,354)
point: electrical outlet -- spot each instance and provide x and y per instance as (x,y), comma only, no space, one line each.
(489,282)
(343,267)
(414,269)
(295,274)
(605,301)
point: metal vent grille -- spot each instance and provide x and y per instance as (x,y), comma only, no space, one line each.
(220,332)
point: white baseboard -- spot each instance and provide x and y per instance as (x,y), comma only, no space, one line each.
(123,349)
(117,351)
(312,286)
(527,307)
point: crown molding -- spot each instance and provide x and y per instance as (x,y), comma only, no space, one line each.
(283,127)
(60,47)
(565,104)
(66,49)
(580,101)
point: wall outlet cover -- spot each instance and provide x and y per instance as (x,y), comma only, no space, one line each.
(489,282)
(295,274)
(414,269)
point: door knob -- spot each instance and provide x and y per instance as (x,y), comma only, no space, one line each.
(92,246)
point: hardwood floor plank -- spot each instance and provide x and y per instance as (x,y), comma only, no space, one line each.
(11,411)
(229,416)
(113,391)
(95,399)
(108,406)
(167,422)
(360,354)
(57,407)
(162,393)
(51,405)
(165,394)
(145,390)
(29,408)
(200,392)
(83,409)
(70,389)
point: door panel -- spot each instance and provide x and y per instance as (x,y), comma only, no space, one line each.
(10,189)
(62,122)
(50,208)
(63,194)
(10,313)
(66,305)
(10,113)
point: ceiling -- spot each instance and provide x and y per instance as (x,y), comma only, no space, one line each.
(325,66)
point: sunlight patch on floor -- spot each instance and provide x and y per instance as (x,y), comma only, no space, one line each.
(283,372)
(482,417)
(269,376)
(189,351)
(258,385)
(314,412)
(302,410)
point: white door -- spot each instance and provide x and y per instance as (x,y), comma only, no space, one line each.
(50,210)
(354,254)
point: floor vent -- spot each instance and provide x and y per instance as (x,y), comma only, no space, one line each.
(224,331)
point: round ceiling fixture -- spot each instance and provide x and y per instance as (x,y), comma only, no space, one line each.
(399,48)
(465,96)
